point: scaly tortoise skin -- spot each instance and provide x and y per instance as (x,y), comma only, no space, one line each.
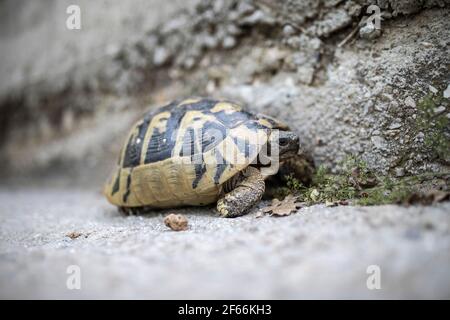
(196,152)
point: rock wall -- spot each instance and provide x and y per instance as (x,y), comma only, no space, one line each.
(344,86)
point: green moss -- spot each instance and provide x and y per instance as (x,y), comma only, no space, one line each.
(356,183)
(434,126)
(327,187)
(387,193)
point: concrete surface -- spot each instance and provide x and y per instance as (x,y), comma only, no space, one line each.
(317,253)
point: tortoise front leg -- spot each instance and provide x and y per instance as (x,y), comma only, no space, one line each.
(244,196)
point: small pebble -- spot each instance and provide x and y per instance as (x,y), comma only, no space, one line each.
(399,172)
(369,32)
(288,30)
(229,42)
(446,93)
(410,102)
(433,89)
(160,56)
(439,110)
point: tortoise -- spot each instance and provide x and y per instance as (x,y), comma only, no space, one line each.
(196,152)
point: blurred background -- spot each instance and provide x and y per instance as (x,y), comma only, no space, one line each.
(68,97)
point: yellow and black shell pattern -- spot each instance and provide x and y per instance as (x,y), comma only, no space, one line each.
(182,153)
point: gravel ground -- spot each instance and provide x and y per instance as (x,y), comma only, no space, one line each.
(317,253)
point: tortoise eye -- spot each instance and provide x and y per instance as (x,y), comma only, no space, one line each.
(283,142)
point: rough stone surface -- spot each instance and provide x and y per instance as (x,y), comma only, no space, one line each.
(63,58)
(318,252)
(281,58)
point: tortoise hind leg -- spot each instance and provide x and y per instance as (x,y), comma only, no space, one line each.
(132,211)
(245,195)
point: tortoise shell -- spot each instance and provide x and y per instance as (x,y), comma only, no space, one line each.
(182,153)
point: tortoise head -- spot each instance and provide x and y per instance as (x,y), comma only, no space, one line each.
(281,145)
(288,141)
(288,144)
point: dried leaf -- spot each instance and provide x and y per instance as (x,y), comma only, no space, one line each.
(359,181)
(330,203)
(176,222)
(73,235)
(428,197)
(336,203)
(369,182)
(260,214)
(282,208)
